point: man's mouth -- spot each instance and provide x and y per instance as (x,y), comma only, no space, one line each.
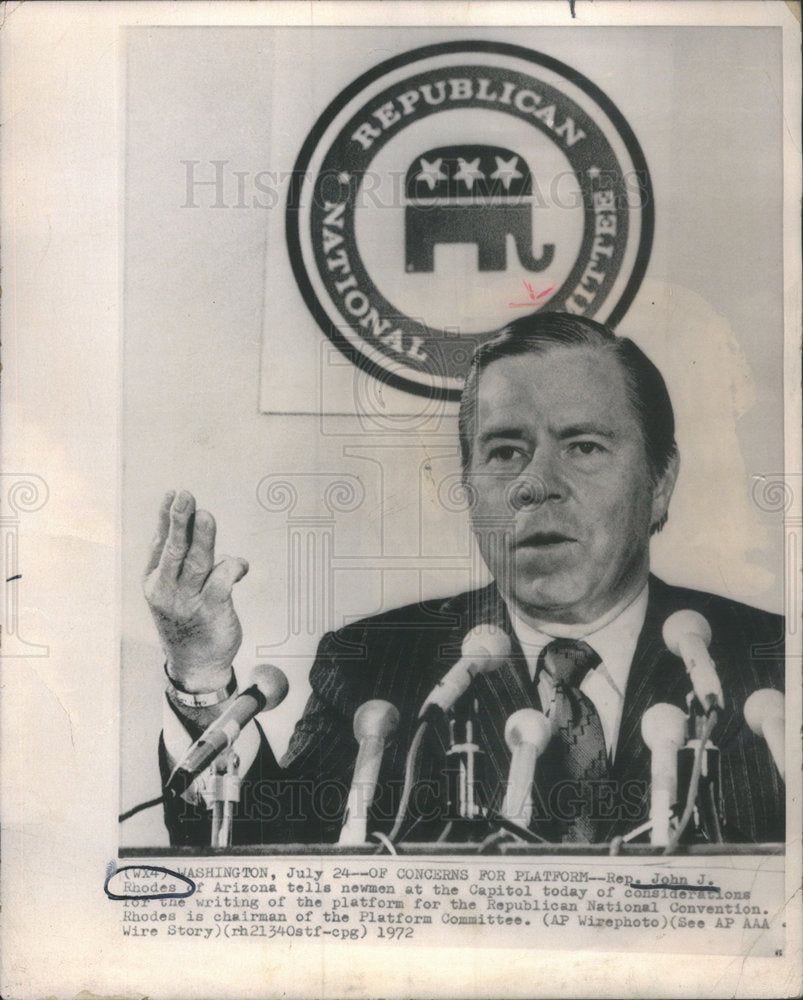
(544,540)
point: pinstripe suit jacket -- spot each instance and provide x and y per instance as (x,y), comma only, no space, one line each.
(401,654)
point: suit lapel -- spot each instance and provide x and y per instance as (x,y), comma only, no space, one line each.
(655,676)
(500,692)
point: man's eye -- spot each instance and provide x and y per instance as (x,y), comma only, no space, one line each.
(586,447)
(503,453)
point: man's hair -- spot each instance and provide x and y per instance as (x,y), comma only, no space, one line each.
(539,333)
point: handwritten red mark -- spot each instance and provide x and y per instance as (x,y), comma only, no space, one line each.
(533,296)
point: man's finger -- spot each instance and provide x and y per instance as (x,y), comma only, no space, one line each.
(175,548)
(200,557)
(160,537)
(223,577)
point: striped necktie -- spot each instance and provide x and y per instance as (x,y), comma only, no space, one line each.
(577,752)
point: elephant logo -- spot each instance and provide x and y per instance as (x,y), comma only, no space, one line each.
(512,156)
(471,194)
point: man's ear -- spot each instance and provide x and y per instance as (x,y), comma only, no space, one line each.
(662,491)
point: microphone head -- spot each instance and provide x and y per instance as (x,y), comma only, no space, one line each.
(487,646)
(271,683)
(761,706)
(375,718)
(528,725)
(484,648)
(682,624)
(663,723)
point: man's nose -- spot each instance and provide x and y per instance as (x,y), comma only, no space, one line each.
(539,482)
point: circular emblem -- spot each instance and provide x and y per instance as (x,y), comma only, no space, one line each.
(454,187)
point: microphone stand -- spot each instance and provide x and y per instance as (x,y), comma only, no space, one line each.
(465,760)
(225,796)
(708,810)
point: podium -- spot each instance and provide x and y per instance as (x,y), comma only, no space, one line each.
(453,850)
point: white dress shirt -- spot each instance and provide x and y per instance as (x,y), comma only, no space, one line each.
(613,640)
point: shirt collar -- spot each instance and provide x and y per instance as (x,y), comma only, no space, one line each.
(614,640)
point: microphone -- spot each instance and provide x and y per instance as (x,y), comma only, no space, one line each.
(764,713)
(687,634)
(375,723)
(268,689)
(663,728)
(485,648)
(527,733)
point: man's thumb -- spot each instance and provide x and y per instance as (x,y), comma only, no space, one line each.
(221,580)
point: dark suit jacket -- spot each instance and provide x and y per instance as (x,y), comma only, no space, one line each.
(400,655)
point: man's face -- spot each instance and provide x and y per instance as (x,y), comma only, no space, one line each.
(563,494)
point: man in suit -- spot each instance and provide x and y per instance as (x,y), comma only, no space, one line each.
(569,460)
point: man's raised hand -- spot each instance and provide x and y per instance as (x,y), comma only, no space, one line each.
(189,596)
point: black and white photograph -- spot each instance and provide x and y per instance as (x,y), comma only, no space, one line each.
(414,516)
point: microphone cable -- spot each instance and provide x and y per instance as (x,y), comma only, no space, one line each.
(143,805)
(410,770)
(503,834)
(384,841)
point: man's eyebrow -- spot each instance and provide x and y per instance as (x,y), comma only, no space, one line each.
(516,433)
(576,430)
